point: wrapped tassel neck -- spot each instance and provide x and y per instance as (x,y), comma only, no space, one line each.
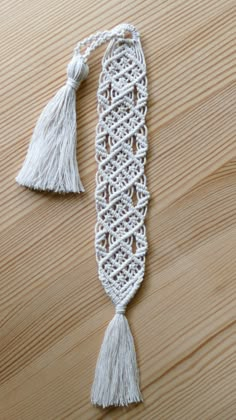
(77,71)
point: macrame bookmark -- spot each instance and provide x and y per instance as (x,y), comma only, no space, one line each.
(121,192)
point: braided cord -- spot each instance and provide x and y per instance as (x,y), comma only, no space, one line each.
(99,38)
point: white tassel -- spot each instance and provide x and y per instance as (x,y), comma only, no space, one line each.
(116,381)
(51,162)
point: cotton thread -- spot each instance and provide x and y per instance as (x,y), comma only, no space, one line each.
(120,309)
(121,193)
(121,203)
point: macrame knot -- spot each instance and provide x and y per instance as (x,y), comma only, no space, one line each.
(77,71)
(120,309)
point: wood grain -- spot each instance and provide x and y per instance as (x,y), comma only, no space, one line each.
(53,310)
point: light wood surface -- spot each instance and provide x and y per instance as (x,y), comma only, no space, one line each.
(53,310)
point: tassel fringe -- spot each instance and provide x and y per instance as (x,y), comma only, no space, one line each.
(51,162)
(116,381)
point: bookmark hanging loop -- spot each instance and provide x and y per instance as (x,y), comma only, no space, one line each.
(96,40)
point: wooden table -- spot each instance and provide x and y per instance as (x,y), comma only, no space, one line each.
(53,310)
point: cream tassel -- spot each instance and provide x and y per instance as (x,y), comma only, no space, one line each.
(116,379)
(51,162)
